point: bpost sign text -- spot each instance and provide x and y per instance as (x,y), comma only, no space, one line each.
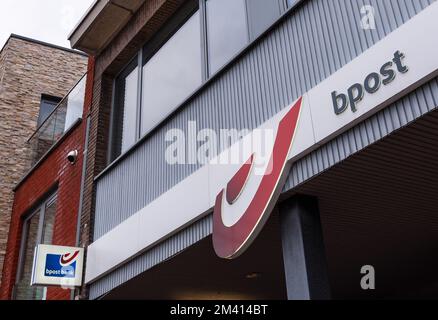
(371,85)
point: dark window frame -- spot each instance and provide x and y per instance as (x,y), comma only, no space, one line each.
(47,99)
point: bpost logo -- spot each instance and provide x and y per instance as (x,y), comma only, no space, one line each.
(61,266)
(243,207)
(373,82)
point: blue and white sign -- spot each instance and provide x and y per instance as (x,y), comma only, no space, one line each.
(57,266)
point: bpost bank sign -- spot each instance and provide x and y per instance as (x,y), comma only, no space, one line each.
(57,266)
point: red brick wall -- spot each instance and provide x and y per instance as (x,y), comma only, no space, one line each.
(27,70)
(55,170)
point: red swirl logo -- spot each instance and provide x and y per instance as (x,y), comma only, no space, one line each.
(68,258)
(232,237)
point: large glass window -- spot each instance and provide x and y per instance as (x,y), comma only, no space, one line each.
(261,15)
(172,74)
(37,229)
(227,31)
(30,233)
(202,37)
(47,106)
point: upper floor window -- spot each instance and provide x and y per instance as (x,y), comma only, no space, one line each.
(227,31)
(190,48)
(171,74)
(47,106)
(232,24)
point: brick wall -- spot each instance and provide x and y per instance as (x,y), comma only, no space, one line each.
(54,171)
(27,70)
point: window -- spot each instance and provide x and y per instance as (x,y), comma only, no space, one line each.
(47,106)
(37,229)
(74,103)
(201,38)
(125,110)
(261,15)
(231,24)
(227,31)
(172,74)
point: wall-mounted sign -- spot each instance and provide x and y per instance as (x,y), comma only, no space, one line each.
(236,220)
(57,266)
(232,236)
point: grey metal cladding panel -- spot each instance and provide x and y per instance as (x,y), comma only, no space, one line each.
(398,115)
(307,47)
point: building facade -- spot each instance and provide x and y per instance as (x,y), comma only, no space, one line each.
(350,92)
(34,76)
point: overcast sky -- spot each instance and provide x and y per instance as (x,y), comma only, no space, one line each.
(46,20)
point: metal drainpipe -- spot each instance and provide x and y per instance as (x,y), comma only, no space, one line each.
(81,195)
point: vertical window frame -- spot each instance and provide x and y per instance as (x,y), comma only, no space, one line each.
(41,210)
(115,115)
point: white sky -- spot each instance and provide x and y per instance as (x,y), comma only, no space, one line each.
(46,20)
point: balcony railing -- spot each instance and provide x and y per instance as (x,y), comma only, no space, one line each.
(66,113)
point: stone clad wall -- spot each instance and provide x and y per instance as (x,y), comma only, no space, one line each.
(28,69)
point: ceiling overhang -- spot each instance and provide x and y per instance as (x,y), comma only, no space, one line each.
(101,23)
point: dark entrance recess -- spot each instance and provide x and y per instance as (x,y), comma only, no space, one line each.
(198,273)
(379,208)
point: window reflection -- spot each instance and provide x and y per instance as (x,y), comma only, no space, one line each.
(290,3)
(227,31)
(33,234)
(130,87)
(49,222)
(174,70)
(171,74)
(23,289)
